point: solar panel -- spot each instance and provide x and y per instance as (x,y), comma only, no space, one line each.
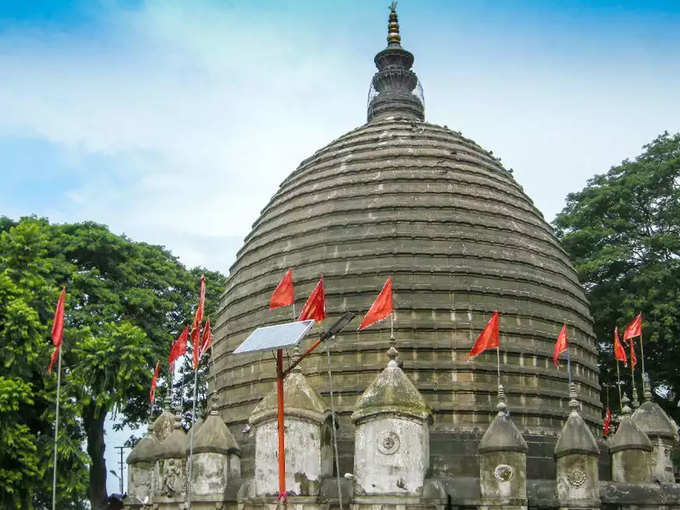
(279,336)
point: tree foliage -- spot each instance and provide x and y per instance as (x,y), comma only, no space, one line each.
(126,301)
(622,231)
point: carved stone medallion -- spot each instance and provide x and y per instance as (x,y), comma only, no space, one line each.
(577,477)
(388,443)
(503,473)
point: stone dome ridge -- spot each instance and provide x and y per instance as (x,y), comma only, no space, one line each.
(502,435)
(575,436)
(628,435)
(391,392)
(299,399)
(173,446)
(653,421)
(145,450)
(215,437)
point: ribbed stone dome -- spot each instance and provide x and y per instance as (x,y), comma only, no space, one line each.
(423,204)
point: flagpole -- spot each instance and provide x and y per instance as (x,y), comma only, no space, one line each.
(392,326)
(56,431)
(498,364)
(642,355)
(618,383)
(635,402)
(294,315)
(191,439)
(569,364)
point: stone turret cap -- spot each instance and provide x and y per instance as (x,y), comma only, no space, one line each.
(628,436)
(299,399)
(145,450)
(653,421)
(164,425)
(576,437)
(174,446)
(215,437)
(392,392)
(502,435)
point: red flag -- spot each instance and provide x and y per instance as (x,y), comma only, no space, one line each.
(488,339)
(634,328)
(196,326)
(206,342)
(381,307)
(198,318)
(315,307)
(633,357)
(619,351)
(195,345)
(283,293)
(560,345)
(57,329)
(179,347)
(152,393)
(607,421)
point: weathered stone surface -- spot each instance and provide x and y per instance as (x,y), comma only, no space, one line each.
(141,461)
(392,441)
(430,208)
(577,454)
(663,434)
(630,449)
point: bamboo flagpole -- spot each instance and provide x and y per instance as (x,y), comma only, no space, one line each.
(56,433)
(618,384)
(57,338)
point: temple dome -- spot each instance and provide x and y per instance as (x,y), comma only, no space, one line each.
(429,207)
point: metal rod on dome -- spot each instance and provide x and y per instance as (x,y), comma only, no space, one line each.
(191,439)
(392,326)
(569,364)
(498,364)
(642,355)
(333,424)
(56,432)
(282,447)
(618,384)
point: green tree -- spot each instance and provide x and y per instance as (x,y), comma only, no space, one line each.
(126,302)
(622,232)
(27,395)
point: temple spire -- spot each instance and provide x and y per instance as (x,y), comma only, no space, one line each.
(395,90)
(393,37)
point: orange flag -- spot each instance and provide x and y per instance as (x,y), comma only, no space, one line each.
(283,293)
(488,339)
(634,328)
(152,393)
(315,307)
(57,329)
(381,307)
(179,346)
(619,351)
(560,345)
(206,342)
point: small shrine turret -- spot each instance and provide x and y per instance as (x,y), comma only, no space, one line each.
(392,440)
(503,462)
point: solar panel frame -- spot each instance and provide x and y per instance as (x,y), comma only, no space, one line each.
(279,336)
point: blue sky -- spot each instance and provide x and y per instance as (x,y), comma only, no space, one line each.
(175,121)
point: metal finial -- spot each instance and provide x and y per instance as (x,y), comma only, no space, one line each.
(501,407)
(636,402)
(214,402)
(393,37)
(573,402)
(625,408)
(646,388)
(393,354)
